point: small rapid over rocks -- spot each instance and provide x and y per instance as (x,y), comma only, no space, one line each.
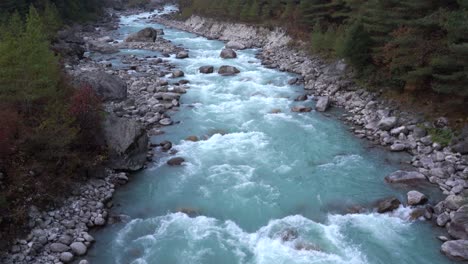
(257,182)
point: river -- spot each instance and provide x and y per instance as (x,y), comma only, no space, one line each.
(268,188)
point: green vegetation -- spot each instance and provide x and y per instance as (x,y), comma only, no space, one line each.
(409,46)
(48,132)
(441,136)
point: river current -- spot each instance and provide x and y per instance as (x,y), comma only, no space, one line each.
(268,188)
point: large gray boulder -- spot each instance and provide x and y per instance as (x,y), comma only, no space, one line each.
(387,123)
(456,249)
(108,87)
(322,104)
(228,54)
(228,70)
(416,198)
(145,35)
(206,69)
(235,45)
(405,177)
(127,142)
(459,226)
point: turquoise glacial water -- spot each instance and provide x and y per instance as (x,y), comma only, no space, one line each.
(269,188)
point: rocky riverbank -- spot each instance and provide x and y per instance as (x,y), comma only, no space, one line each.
(138,98)
(369,116)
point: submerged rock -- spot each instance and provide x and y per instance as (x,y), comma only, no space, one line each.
(228,54)
(177,161)
(145,35)
(456,249)
(228,70)
(127,142)
(301,109)
(388,205)
(182,55)
(206,69)
(405,177)
(190,212)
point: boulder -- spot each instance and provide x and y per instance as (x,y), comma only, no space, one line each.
(301,109)
(175,161)
(206,69)
(102,47)
(387,123)
(127,142)
(405,177)
(228,54)
(459,226)
(235,45)
(388,205)
(461,147)
(160,31)
(182,55)
(416,198)
(322,104)
(228,70)
(108,87)
(454,202)
(78,248)
(145,35)
(177,74)
(456,249)
(66,257)
(58,247)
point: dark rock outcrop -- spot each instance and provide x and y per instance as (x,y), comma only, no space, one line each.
(127,142)
(108,87)
(206,69)
(388,205)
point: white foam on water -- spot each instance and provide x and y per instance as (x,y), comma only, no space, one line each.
(203,239)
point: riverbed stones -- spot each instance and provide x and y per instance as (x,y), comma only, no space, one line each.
(145,35)
(416,198)
(443,219)
(177,161)
(388,205)
(226,70)
(322,104)
(206,69)
(182,55)
(456,249)
(166,122)
(78,248)
(405,177)
(228,54)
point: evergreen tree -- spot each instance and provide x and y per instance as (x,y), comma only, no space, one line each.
(356,47)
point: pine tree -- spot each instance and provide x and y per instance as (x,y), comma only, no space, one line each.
(357,45)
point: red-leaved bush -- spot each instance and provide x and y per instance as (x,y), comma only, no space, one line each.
(86,108)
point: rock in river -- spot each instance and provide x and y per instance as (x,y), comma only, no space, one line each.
(388,205)
(405,177)
(127,142)
(145,35)
(177,74)
(182,55)
(416,198)
(175,161)
(322,104)
(228,54)
(206,69)
(228,70)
